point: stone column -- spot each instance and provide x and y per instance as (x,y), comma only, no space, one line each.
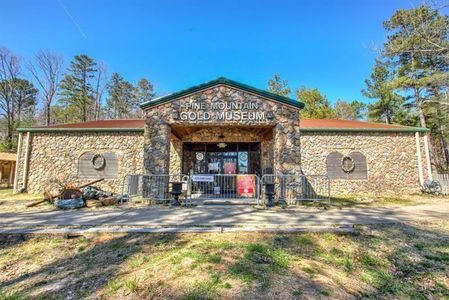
(287,148)
(156,148)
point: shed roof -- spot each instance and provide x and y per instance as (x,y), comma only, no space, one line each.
(8,156)
(305,124)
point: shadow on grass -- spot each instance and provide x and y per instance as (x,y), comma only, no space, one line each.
(82,274)
(394,261)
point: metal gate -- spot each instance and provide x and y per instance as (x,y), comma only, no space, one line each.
(296,188)
(152,187)
(224,186)
(291,189)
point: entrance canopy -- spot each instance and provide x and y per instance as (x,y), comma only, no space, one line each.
(222,111)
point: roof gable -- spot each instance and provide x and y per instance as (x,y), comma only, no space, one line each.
(222,81)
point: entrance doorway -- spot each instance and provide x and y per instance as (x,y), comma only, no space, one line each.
(222,170)
(221,158)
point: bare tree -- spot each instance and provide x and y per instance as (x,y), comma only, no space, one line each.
(99,88)
(47,72)
(9,71)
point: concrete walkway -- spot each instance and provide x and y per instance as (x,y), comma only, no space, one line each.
(225,216)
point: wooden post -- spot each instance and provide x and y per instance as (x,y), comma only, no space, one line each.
(16,171)
(11,173)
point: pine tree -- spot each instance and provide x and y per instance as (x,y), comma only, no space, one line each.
(417,63)
(278,86)
(317,105)
(121,100)
(76,87)
(144,91)
(389,106)
(353,110)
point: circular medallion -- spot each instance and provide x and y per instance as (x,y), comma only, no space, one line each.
(243,156)
(199,156)
(98,161)
(347,164)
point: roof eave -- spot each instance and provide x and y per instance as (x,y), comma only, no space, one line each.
(331,129)
(43,129)
(224,81)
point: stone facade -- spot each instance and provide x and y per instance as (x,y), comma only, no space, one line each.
(391,159)
(54,157)
(281,119)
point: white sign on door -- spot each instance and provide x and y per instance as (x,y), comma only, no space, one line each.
(203,178)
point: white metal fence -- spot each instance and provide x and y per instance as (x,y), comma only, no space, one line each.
(224,186)
(443,179)
(296,188)
(152,187)
(291,189)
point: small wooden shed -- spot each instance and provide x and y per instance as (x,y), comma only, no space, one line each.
(7,168)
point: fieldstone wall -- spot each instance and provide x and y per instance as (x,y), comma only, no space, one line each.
(54,158)
(282,118)
(176,152)
(391,160)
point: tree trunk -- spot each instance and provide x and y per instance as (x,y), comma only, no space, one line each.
(47,119)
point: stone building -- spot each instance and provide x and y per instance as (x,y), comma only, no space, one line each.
(225,127)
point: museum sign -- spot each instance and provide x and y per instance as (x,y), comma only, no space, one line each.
(221,111)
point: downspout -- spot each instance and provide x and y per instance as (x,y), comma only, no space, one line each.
(418,152)
(26,161)
(16,172)
(426,150)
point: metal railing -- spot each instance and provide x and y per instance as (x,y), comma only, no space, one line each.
(225,186)
(290,189)
(155,188)
(296,188)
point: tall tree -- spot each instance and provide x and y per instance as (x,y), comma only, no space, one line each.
(121,100)
(46,70)
(317,105)
(76,87)
(417,64)
(9,72)
(100,86)
(278,86)
(390,105)
(353,110)
(25,98)
(144,91)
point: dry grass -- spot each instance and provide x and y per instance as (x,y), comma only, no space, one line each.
(380,200)
(11,202)
(401,261)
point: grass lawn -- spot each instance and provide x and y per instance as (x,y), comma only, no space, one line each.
(394,261)
(379,200)
(10,202)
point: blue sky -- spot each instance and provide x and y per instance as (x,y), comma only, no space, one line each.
(176,44)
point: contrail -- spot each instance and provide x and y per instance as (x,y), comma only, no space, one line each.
(73,20)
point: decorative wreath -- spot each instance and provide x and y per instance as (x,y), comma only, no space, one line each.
(347,164)
(98,161)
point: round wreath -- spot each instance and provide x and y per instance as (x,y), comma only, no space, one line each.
(98,161)
(347,164)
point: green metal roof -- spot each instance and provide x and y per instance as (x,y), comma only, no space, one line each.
(225,81)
